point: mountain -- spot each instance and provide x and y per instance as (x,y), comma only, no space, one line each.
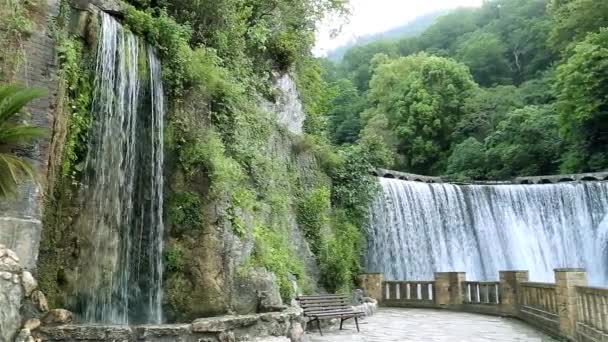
(409,29)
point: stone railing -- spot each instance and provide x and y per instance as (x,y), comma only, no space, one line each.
(592,322)
(539,305)
(476,292)
(413,293)
(567,309)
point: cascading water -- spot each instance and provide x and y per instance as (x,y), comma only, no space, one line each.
(418,229)
(120,276)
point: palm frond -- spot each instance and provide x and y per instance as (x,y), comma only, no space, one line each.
(19,134)
(14,98)
(12,169)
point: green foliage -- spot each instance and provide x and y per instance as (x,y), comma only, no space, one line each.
(313,216)
(16,25)
(175,257)
(526,143)
(79,85)
(207,152)
(582,85)
(344,116)
(485,54)
(185,213)
(341,256)
(434,122)
(485,109)
(468,160)
(422,98)
(574,19)
(273,251)
(13,133)
(171,39)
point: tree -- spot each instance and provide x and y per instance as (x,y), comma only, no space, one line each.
(573,19)
(344,118)
(422,97)
(526,143)
(12,133)
(485,54)
(582,85)
(357,61)
(484,109)
(468,160)
(444,34)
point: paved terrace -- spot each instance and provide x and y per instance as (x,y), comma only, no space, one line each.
(427,325)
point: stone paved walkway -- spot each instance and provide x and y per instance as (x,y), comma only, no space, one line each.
(419,325)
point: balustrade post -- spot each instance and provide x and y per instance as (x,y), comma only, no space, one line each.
(567,279)
(371,284)
(449,288)
(510,290)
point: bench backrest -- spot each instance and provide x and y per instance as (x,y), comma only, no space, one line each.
(324,303)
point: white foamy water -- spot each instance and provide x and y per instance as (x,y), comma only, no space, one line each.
(418,229)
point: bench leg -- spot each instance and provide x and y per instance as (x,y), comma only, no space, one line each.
(357,323)
(341,321)
(319,326)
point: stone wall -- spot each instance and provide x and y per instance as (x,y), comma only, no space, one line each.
(20,221)
(567,309)
(216,329)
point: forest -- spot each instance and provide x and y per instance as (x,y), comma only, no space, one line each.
(513,88)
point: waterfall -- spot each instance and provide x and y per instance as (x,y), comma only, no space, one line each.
(417,229)
(120,277)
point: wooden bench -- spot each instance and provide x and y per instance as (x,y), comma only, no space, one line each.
(330,306)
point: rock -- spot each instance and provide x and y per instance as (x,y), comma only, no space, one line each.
(57,317)
(270,301)
(89,333)
(11,295)
(29,283)
(224,323)
(257,291)
(25,335)
(357,297)
(296,333)
(32,324)
(9,262)
(39,300)
(227,336)
(110,6)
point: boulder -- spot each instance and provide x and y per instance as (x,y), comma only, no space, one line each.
(29,283)
(58,317)
(39,300)
(270,301)
(357,298)
(12,294)
(257,291)
(32,324)
(25,335)
(10,303)
(297,333)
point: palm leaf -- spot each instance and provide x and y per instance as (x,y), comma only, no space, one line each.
(14,98)
(19,134)
(12,168)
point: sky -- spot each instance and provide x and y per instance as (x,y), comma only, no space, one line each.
(375,16)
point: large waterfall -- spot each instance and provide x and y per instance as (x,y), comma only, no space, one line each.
(418,229)
(120,278)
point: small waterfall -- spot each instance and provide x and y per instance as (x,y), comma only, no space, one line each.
(120,277)
(418,229)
